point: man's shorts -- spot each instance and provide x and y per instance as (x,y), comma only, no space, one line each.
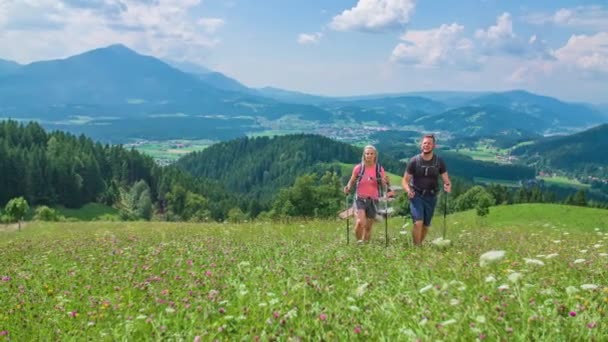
(369,205)
(422,208)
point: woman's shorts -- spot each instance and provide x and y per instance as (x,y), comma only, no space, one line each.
(369,205)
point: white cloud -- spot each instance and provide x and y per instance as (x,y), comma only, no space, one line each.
(585,52)
(583,57)
(374,16)
(503,30)
(435,47)
(211,24)
(582,17)
(164,28)
(530,72)
(501,39)
(309,38)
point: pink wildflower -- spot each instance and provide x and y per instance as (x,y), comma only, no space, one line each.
(4,333)
(222,310)
(591,325)
(276,314)
(73,314)
(322,317)
(572,313)
(197,338)
(208,273)
(6,278)
(357,329)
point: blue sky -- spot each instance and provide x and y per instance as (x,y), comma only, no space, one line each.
(557,48)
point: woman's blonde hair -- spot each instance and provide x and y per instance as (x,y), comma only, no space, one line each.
(369,147)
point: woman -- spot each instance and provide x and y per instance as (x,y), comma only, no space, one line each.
(368,178)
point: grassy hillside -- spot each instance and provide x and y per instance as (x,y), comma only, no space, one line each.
(138,281)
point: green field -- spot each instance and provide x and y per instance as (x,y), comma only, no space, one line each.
(269,281)
(564,182)
(480,154)
(484,151)
(171,150)
(88,212)
(504,182)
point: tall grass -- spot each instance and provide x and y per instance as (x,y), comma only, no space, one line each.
(271,281)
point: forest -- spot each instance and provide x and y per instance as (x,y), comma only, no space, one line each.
(283,176)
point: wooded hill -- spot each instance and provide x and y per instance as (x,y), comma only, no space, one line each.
(258,167)
(583,152)
(61,169)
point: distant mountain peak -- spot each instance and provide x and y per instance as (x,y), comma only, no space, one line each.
(114,49)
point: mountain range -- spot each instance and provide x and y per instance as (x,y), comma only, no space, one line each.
(114,83)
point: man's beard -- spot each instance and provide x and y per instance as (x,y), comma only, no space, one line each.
(427,153)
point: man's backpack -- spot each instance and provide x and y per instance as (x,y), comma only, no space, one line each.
(378,177)
(427,170)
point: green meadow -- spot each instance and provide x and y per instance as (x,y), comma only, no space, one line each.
(137,281)
(171,150)
(565,182)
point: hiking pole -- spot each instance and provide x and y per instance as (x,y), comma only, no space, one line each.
(386,219)
(347,220)
(445,212)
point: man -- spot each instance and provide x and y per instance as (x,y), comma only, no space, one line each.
(421,183)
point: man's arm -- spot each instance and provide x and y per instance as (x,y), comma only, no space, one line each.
(405,183)
(447,185)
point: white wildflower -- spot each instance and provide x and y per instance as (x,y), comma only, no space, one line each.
(490,279)
(534,262)
(583,251)
(426,288)
(480,319)
(454,301)
(548,292)
(514,277)
(557,241)
(579,261)
(448,322)
(503,287)
(552,255)
(408,332)
(491,257)
(403,232)
(361,290)
(603,254)
(589,286)
(405,225)
(597,245)
(571,290)
(440,242)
